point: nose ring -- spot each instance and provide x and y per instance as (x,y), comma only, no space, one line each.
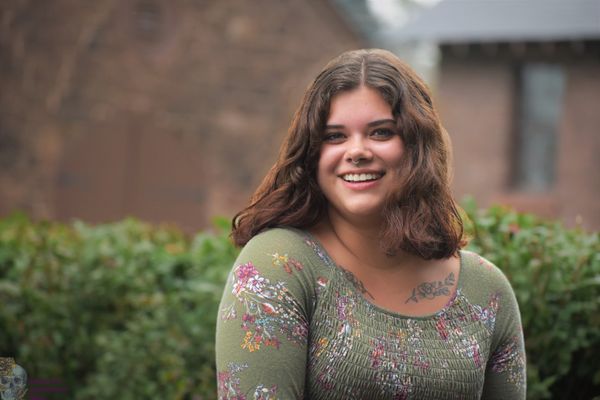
(356,162)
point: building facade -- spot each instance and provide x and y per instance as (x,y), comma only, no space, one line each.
(166,111)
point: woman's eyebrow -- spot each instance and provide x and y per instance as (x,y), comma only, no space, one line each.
(381,122)
(370,124)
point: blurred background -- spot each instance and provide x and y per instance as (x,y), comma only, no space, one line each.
(173,111)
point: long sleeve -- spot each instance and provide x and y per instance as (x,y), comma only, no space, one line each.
(262,328)
(505,375)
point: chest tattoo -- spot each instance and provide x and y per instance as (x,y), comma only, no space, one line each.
(430,290)
(357,283)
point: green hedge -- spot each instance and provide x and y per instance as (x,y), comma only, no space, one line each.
(127,310)
(555,273)
(116,311)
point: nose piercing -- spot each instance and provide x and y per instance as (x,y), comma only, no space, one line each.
(356,162)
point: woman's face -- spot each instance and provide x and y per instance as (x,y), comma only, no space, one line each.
(360,155)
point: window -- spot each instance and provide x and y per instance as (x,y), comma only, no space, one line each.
(540,94)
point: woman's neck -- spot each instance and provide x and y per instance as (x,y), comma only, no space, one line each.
(362,241)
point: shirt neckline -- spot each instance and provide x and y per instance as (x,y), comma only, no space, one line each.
(449,304)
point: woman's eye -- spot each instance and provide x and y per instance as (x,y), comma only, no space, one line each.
(333,137)
(382,133)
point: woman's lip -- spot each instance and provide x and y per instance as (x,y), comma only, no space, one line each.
(362,171)
(361,185)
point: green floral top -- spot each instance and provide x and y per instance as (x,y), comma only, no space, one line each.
(292,325)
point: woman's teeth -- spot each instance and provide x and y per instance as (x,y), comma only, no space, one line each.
(360,177)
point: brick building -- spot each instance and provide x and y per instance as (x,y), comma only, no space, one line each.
(167,111)
(173,111)
(518,89)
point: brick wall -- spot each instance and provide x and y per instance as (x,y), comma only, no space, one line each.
(477,101)
(167,111)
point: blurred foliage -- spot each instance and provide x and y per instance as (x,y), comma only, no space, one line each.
(127,310)
(555,273)
(116,311)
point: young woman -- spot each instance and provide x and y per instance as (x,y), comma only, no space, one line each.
(352,283)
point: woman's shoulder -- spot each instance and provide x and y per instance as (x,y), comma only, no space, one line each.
(480,275)
(281,232)
(281,244)
(282,257)
(280,238)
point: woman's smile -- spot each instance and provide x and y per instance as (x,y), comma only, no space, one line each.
(358,181)
(362,176)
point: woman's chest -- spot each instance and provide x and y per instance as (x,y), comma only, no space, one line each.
(357,350)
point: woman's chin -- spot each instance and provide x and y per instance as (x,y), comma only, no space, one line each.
(361,213)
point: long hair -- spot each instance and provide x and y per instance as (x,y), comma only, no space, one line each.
(421,216)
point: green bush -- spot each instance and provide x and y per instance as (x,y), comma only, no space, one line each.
(555,273)
(127,310)
(116,311)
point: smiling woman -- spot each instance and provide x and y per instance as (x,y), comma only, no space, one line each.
(352,282)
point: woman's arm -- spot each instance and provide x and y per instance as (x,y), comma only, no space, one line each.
(262,328)
(505,376)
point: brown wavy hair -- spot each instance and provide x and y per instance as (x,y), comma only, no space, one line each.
(421,215)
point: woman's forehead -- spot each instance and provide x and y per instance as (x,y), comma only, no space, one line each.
(363,104)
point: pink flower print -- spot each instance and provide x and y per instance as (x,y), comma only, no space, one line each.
(247,320)
(255,284)
(472,350)
(242,275)
(223,379)
(325,379)
(273,342)
(440,325)
(264,316)
(420,361)
(487,315)
(245,271)
(300,330)
(321,283)
(508,359)
(404,389)
(484,263)
(228,383)
(342,307)
(376,354)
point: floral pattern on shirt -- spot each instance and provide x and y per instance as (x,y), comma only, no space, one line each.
(286,262)
(355,350)
(407,350)
(487,315)
(508,359)
(347,327)
(265,393)
(228,385)
(228,382)
(264,313)
(317,249)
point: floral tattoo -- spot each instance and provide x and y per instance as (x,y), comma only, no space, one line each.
(429,290)
(357,283)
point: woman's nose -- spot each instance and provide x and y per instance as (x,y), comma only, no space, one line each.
(358,151)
